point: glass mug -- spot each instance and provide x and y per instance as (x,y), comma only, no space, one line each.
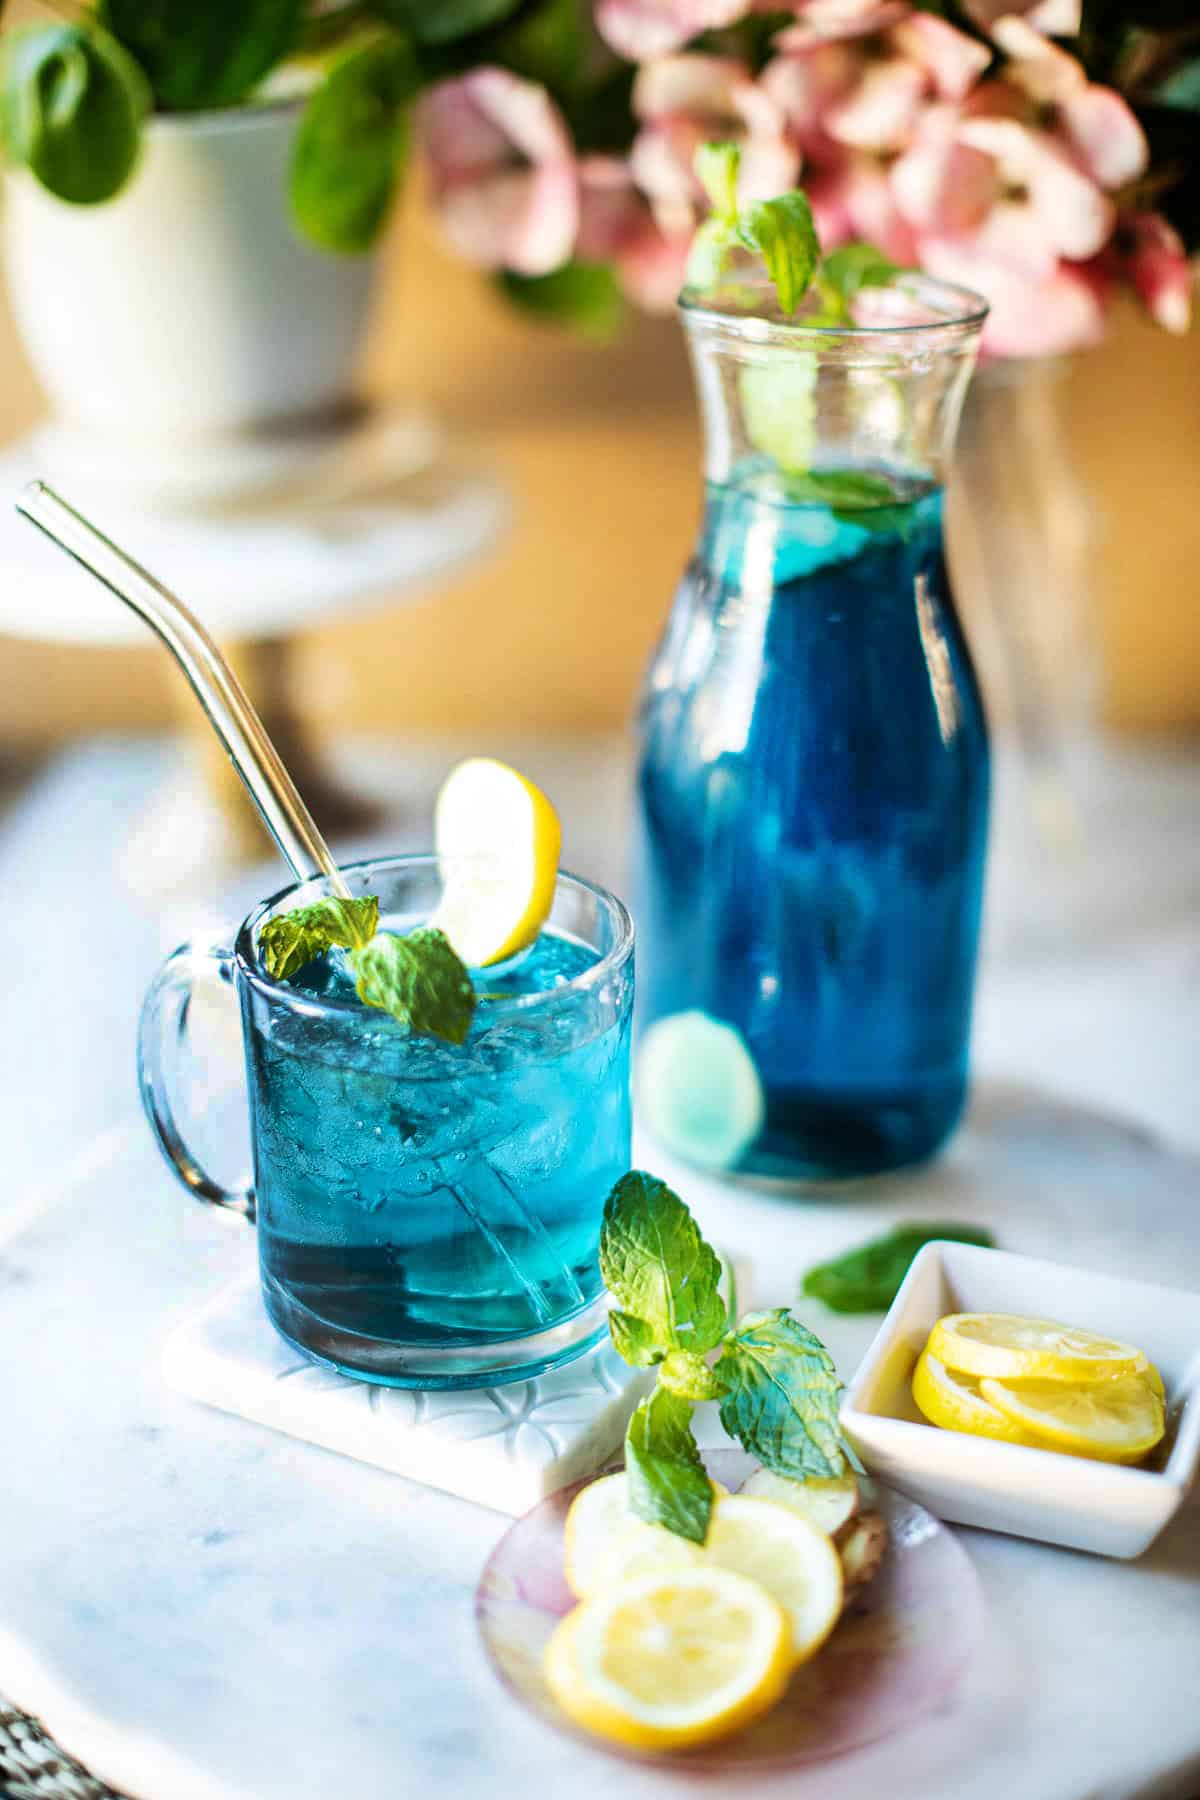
(428,1213)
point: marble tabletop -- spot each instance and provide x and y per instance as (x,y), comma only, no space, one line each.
(196,1607)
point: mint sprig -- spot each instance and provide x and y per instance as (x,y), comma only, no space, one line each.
(419,978)
(775,1382)
(780,1395)
(288,943)
(666,1477)
(656,1265)
(783,233)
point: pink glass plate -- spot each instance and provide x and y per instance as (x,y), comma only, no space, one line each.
(901,1648)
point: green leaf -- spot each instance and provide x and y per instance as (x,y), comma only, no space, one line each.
(868,1279)
(583,295)
(844,273)
(288,943)
(781,1396)
(852,495)
(716,167)
(351,146)
(783,233)
(1182,87)
(658,1267)
(633,1340)
(71,109)
(709,253)
(443,21)
(667,1482)
(205,54)
(419,980)
(547,42)
(688,1375)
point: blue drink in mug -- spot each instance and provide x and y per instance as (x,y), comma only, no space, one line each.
(428,1212)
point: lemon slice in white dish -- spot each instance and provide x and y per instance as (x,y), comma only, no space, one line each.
(955,1403)
(1110,1421)
(1010,1348)
(498,839)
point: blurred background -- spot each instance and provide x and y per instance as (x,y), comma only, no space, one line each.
(599,447)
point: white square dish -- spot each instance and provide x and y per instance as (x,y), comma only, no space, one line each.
(1101,1507)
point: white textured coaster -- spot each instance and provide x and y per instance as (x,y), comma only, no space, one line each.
(505,1447)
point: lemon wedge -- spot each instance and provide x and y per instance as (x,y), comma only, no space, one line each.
(499,840)
(671,1660)
(599,1518)
(1110,1421)
(955,1403)
(783,1552)
(1008,1348)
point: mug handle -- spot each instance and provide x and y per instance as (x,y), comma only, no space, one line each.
(162,1030)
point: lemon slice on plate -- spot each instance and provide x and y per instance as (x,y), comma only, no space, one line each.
(671,1660)
(599,1518)
(789,1556)
(774,1546)
(1110,1421)
(499,840)
(1008,1348)
(955,1403)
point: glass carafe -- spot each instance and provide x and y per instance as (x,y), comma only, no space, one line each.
(813,783)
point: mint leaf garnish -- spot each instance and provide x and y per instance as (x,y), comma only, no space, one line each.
(844,272)
(780,1397)
(419,980)
(776,1383)
(287,943)
(783,233)
(634,1340)
(688,1375)
(716,167)
(666,1478)
(868,1279)
(659,1269)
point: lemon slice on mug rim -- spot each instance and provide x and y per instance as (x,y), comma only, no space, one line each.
(498,839)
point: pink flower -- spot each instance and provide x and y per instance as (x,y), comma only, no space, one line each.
(640,29)
(863,82)
(1061,311)
(684,101)
(504,178)
(852,200)
(1057,18)
(1035,204)
(616,225)
(1093,123)
(1159,269)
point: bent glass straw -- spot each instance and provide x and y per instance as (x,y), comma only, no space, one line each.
(220,693)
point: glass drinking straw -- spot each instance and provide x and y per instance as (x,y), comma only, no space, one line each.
(253,755)
(224,699)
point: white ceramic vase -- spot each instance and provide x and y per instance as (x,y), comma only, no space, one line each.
(185,319)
